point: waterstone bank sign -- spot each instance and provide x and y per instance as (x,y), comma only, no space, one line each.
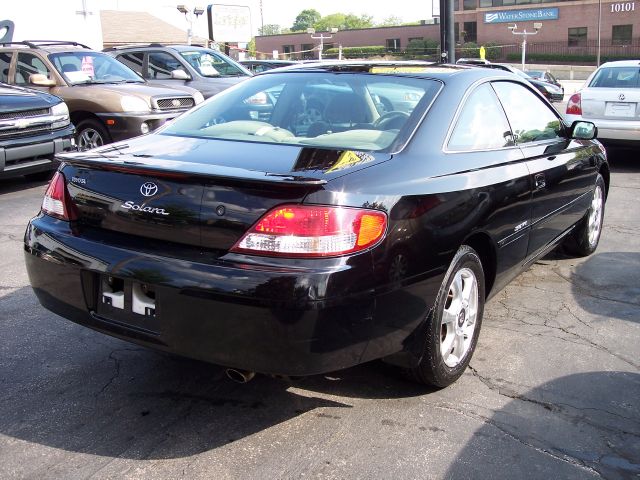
(529,15)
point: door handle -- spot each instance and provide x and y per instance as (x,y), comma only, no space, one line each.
(552,157)
(540,181)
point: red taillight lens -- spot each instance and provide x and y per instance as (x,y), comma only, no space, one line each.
(56,202)
(313,231)
(574,105)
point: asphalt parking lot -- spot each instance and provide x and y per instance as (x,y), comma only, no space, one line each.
(553,390)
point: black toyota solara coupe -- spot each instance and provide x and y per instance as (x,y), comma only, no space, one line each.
(320,216)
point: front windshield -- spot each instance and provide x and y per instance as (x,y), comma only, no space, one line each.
(92,67)
(535,74)
(352,111)
(210,64)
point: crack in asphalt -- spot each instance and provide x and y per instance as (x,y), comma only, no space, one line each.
(586,293)
(564,457)
(555,407)
(587,341)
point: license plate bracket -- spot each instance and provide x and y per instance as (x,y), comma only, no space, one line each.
(128,302)
(620,109)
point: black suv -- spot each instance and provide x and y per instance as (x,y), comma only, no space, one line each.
(201,68)
(33,127)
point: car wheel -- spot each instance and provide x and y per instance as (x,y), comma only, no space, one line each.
(455,322)
(90,134)
(584,239)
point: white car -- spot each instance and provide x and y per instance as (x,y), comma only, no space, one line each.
(611,100)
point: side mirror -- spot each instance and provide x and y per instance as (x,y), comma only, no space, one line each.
(41,80)
(581,130)
(180,75)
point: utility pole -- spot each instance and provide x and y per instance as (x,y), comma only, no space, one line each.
(447,32)
(322,38)
(524,33)
(599,26)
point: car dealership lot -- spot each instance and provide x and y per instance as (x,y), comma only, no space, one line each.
(553,390)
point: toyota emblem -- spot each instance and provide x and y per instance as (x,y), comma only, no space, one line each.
(621,97)
(149,189)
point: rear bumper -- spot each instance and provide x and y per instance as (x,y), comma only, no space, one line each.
(22,156)
(612,131)
(127,125)
(297,320)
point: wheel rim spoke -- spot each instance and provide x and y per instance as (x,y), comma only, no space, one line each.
(458,319)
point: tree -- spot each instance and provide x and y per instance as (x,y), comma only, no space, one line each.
(251,48)
(270,29)
(391,21)
(305,19)
(343,22)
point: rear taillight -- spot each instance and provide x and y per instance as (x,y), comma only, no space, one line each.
(56,201)
(313,231)
(574,105)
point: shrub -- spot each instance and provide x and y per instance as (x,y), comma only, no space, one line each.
(355,52)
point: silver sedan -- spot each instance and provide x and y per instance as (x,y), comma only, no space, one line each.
(611,100)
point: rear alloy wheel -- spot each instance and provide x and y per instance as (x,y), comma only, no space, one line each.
(90,134)
(455,322)
(584,240)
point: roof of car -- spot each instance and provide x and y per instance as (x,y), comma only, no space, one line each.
(413,68)
(622,63)
(176,47)
(46,45)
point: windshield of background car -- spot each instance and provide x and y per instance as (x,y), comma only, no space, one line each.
(617,77)
(92,67)
(352,111)
(210,64)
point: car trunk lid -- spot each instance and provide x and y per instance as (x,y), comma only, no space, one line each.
(196,191)
(610,103)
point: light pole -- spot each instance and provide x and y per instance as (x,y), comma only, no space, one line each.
(599,27)
(524,33)
(322,38)
(188,15)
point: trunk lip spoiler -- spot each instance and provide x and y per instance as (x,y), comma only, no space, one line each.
(228,173)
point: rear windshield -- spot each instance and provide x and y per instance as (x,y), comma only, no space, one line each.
(355,111)
(617,77)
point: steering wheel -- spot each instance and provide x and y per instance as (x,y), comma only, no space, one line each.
(391,120)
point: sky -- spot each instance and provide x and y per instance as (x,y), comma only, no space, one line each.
(281,12)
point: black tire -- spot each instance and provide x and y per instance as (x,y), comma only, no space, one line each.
(87,129)
(581,242)
(432,368)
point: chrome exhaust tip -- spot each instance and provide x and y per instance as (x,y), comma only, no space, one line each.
(240,376)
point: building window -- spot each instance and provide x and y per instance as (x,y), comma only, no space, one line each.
(470,32)
(308,52)
(288,48)
(456,31)
(577,36)
(487,3)
(456,5)
(470,4)
(393,44)
(621,34)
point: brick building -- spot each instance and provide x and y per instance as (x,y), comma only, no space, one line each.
(571,25)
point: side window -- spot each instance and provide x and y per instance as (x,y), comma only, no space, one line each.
(482,124)
(5,62)
(161,64)
(132,60)
(530,118)
(27,65)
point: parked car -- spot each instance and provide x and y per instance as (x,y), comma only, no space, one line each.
(611,100)
(551,92)
(33,127)
(238,241)
(545,77)
(107,100)
(204,69)
(258,66)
